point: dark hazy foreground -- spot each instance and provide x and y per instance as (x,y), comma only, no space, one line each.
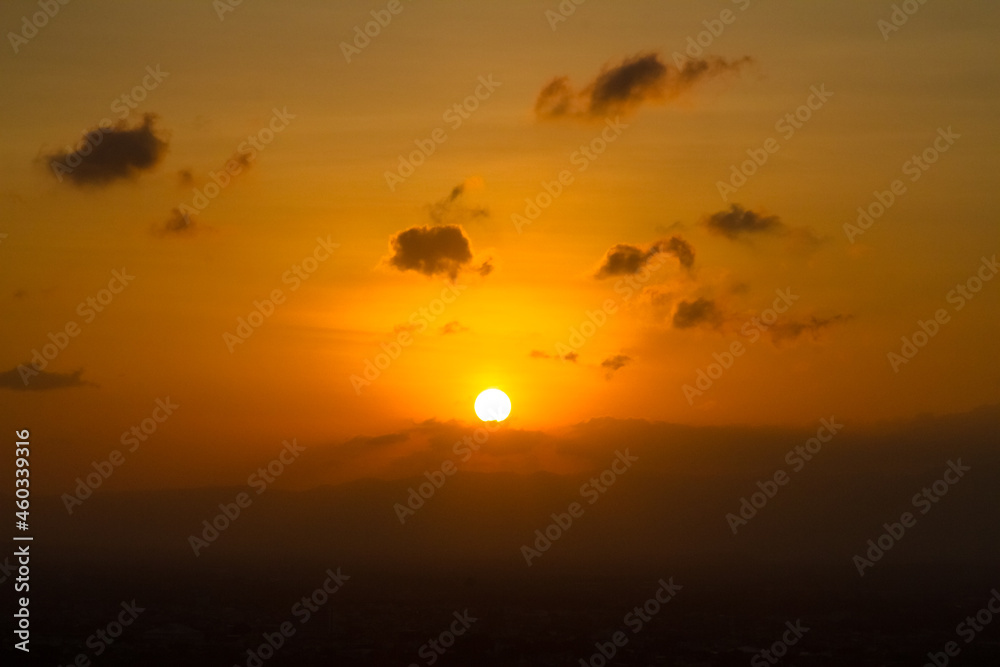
(663,518)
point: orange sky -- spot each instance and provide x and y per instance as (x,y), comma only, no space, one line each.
(312,215)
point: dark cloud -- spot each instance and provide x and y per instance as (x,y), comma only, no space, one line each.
(453,327)
(616,362)
(695,313)
(679,248)
(486,268)
(453,210)
(814,326)
(178,224)
(569,356)
(110,154)
(612,364)
(624,259)
(621,88)
(740,223)
(411,328)
(26,378)
(431,250)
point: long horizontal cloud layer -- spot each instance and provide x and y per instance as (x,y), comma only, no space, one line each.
(621,88)
(37,380)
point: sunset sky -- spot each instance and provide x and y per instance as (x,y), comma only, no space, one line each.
(640,237)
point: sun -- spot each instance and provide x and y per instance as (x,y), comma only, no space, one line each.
(492,405)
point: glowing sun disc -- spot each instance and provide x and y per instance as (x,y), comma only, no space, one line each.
(492,405)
